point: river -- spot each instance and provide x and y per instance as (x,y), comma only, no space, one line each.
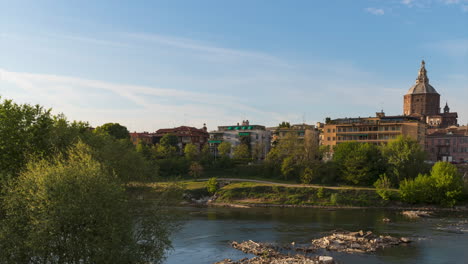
(205,233)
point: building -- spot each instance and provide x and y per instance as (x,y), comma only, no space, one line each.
(147,138)
(301,130)
(449,144)
(423,101)
(376,130)
(185,135)
(246,133)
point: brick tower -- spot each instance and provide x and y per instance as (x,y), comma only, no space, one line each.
(422,99)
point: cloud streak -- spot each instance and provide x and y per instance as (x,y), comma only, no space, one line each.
(375,11)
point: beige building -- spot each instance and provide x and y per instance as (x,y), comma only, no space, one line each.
(377,130)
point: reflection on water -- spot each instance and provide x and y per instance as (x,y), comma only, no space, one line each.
(205,235)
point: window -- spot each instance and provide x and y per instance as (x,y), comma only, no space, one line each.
(334,138)
(328,138)
(328,130)
(333,130)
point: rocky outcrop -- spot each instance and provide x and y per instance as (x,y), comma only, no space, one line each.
(416,214)
(269,254)
(356,242)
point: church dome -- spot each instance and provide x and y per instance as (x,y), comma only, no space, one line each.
(422,85)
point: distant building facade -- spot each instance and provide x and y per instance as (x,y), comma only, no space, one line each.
(423,101)
(241,133)
(185,135)
(145,137)
(300,130)
(376,130)
(450,144)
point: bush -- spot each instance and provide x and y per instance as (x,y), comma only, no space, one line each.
(444,186)
(334,198)
(72,210)
(383,186)
(307,176)
(212,185)
(320,193)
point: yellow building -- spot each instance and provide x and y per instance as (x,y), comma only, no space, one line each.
(377,130)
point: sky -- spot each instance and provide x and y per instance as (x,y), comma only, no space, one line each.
(157,64)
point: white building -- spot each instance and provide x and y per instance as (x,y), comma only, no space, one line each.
(253,135)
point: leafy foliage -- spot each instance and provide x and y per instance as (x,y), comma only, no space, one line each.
(443,186)
(195,170)
(224,149)
(73,210)
(241,152)
(360,164)
(382,186)
(212,185)
(191,152)
(405,158)
(114,130)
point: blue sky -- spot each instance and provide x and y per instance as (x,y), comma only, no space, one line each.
(154,64)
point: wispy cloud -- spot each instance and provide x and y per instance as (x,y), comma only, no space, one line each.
(375,11)
(66,94)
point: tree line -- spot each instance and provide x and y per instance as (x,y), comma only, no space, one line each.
(62,192)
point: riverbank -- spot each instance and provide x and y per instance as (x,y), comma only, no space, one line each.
(241,193)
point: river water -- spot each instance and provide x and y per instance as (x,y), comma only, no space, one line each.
(205,233)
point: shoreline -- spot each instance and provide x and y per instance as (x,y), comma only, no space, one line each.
(262,205)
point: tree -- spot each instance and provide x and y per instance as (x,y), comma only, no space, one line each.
(144,149)
(288,167)
(73,210)
(382,186)
(25,131)
(195,170)
(448,183)
(206,157)
(284,125)
(114,130)
(307,176)
(191,151)
(170,140)
(258,151)
(224,149)
(443,186)
(360,163)
(405,158)
(164,151)
(241,152)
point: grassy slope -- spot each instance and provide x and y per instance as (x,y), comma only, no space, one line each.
(274,193)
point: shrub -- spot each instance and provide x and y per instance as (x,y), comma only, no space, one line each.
(320,193)
(195,170)
(307,176)
(73,210)
(212,185)
(334,198)
(444,186)
(419,190)
(382,186)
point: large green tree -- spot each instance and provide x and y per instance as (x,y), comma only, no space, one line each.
(114,130)
(405,158)
(191,152)
(224,149)
(74,210)
(241,151)
(170,140)
(359,163)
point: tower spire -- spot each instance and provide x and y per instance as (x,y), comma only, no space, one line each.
(422,74)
